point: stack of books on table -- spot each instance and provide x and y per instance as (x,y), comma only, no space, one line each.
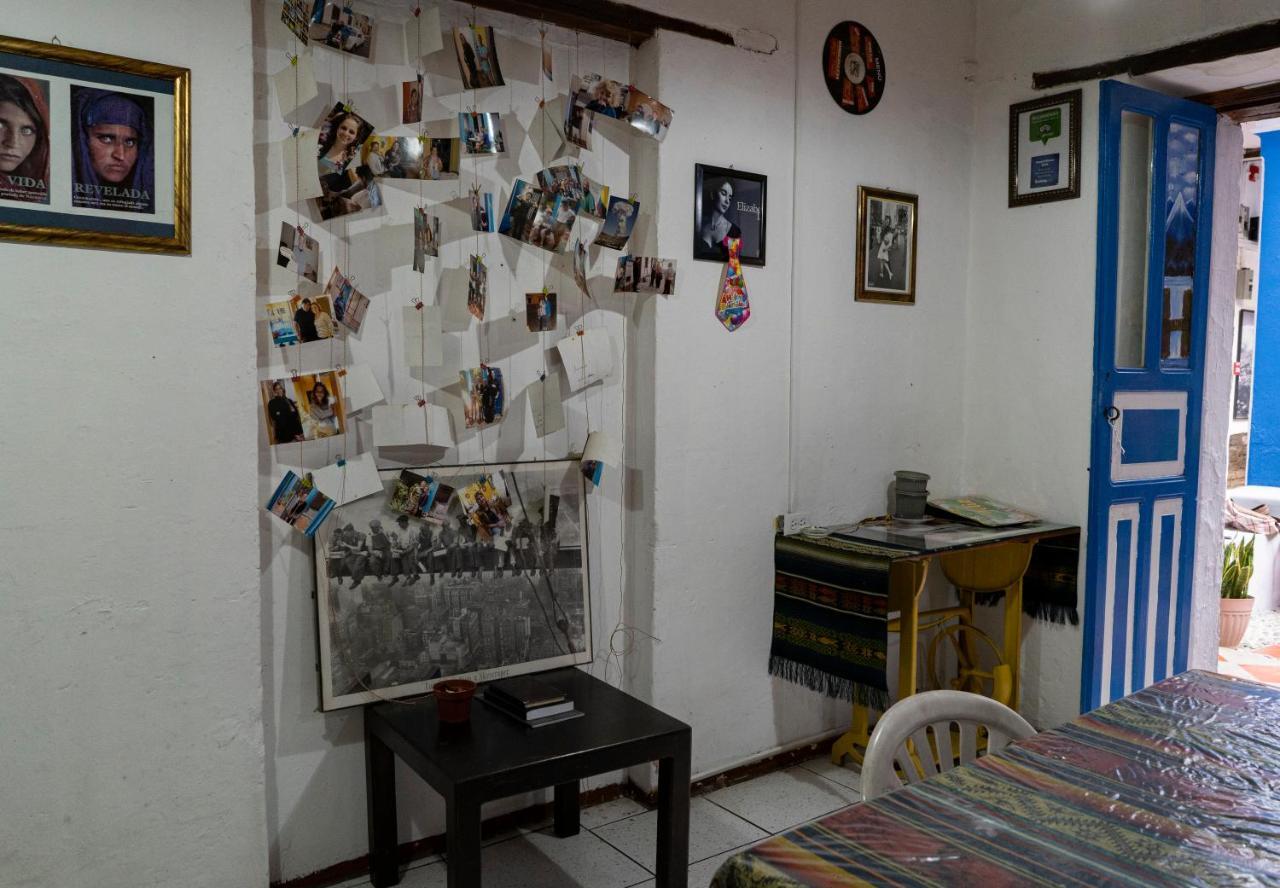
(530,701)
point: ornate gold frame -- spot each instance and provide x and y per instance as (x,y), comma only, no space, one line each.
(180,242)
(860,293)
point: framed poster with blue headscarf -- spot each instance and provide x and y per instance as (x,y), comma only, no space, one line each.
(94,149)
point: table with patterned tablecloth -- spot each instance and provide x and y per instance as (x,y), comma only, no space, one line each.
(1178,784)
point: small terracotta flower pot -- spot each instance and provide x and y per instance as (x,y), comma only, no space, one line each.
(453,699)
(1233,620)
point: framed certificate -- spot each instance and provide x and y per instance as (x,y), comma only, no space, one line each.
(1044,149)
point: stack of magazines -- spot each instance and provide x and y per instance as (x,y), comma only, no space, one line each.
(530,701)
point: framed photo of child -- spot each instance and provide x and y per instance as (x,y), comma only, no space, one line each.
(886,251)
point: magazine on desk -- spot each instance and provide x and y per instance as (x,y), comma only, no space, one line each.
(983,510)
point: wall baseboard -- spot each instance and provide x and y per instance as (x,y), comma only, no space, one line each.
(535,814)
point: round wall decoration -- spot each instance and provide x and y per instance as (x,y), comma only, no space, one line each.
(853,66)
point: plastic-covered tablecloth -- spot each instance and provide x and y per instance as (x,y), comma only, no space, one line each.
(1178,784)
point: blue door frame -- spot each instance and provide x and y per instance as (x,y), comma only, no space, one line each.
(1145,444)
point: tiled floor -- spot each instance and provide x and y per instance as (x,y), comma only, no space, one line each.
(616,846)
(1258,664)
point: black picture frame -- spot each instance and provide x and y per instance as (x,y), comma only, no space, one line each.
(1047,176)
(752,188)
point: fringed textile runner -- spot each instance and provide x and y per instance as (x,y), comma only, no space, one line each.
(1171,786)
(830,617)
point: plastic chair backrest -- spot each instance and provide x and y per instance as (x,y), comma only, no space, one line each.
(915,734)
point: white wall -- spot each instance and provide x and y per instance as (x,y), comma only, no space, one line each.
(1029,375)
(315,761)
(131,724)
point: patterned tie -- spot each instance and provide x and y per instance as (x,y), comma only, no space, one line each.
(733,307)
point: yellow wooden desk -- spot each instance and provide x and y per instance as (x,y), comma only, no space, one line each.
(974,560)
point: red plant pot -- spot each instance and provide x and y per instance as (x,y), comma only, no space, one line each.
(453,699)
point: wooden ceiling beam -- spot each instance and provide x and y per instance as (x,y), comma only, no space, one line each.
(1242,103)
(605,18)
(1242,41)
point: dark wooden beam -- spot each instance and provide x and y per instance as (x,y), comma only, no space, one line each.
(605,18)
(1255,38)
(1242,103)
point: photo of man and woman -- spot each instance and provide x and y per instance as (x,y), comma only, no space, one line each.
(346,187)
(301,319)
(728,204)
(647,114)
(24,139)
(413,494)
(886,248)
(113,150)
(336,26)
(349,304)
(483,399)
(618,223)
(411,100)
(319,416)
(298,503)
(481,133)
(298,251)
(481,209)
(477,287)
(645,274)
(578,121)
(540,311)
(393,157)
(477,57)
(487,505)
(426,238)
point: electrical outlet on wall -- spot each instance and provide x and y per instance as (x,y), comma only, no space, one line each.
(794,522)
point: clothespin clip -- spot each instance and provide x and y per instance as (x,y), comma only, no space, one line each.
(296,131)
(348,107)
(422,138)
(422,402)
(340,370)
(295,375)
(293,59)
(341,463)
(417,303)
(417,11)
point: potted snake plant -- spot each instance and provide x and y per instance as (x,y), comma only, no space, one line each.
(1236,605)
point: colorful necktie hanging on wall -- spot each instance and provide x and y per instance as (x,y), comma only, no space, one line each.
(733,308)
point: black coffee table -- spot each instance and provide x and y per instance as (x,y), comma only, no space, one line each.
(494,756)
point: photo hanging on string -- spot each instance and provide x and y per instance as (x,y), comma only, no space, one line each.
(477,57)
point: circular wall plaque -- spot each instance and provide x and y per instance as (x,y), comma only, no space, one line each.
(853,67)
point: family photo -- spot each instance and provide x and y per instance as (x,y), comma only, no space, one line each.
(477,57)
(303,408)
(728,204)
(482,396)
(540,311)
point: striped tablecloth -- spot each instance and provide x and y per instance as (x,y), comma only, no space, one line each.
(1178,784)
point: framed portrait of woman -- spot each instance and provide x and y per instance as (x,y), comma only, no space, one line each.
(728,203)
(886,250)
(95,149)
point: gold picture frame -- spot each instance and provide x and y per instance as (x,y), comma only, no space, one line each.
(116,175)
(886,248)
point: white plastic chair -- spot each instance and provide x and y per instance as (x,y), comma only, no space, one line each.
(914,721)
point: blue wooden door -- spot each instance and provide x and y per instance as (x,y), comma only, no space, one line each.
(1154,210)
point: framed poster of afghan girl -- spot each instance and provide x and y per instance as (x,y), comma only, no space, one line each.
(94,149)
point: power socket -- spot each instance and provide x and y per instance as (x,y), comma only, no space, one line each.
(795,522)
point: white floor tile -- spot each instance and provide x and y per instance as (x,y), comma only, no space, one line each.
(700,873)
(608,812)
(784,799)
(540,860)
(711,831)
(846,775)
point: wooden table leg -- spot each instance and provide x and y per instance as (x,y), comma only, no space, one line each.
(672,870)
(462,841)
(1013,637)
(380,799)
(853,741)
(567,811)
(913,574)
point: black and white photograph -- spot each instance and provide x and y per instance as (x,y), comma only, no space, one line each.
(886,251)
(461,604)
(728,203)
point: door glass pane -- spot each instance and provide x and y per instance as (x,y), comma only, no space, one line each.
(1181,206)
(1133,237)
